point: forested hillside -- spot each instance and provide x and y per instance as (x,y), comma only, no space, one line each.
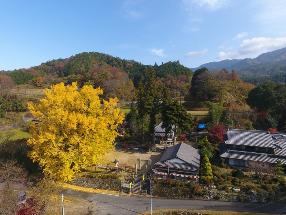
(270,65)
(117,76)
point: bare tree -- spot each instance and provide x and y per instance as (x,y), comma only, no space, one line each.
(10,173)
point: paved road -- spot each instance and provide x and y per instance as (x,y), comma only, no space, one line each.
(125,205)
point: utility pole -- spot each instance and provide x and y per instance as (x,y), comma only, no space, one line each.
(151,199)
(63,207)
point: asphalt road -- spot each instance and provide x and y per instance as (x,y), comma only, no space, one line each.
(130,205)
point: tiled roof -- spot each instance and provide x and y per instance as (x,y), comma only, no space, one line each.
(249,138)
(258,139)
(252,156)
(183,152)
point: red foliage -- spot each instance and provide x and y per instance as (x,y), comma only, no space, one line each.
(182,137)
(28,208)
(272,130)
(217,133)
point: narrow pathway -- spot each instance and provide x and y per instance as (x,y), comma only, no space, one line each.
(125,205)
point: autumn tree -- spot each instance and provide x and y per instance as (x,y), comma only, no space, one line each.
(73,129)
(10,172)
(217,133)
(6,82)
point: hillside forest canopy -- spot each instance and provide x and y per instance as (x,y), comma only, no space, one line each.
(223,92)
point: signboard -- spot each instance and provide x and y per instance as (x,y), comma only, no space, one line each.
(202,126)
(126,185)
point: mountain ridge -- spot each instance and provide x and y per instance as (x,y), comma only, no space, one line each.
(266,65)
(118,77)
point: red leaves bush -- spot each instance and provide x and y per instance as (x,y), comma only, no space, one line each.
(217,132)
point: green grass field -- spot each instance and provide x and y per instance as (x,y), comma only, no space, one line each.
(125,110)
(27,92)
(13,134)
(198,112)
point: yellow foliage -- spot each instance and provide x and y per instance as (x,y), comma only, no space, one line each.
(74,128)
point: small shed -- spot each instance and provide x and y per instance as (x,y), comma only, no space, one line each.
(160,133)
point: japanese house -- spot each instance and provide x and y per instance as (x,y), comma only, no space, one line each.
(179,161)
(249,148)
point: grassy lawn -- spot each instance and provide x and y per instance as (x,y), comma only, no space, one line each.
(27,92)
(198,112)
(12,118)
(125,110)
(13,134)
(203,212)
(128,158)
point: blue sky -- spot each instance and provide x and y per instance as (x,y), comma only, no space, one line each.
(149,31)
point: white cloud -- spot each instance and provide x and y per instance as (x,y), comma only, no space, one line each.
(158,52)
(252,47)
(222,55)
(241,35)
(197,53)
(258,45)
(206,4)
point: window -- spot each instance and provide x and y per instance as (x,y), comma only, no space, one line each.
(236,162)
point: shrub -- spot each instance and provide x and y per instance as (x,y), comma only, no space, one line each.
(99,183)
(176,189)
(237,173)
(21,77)
(235,181)
(18,150)
(248,187)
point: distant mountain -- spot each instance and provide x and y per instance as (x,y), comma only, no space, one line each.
(86,62)
(270,65)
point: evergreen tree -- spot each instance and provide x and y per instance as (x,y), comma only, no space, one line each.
(149,99)
(215,112)
(174,114)
(279,169)
(132,121)
(206,173)
(203,87)
(206,147)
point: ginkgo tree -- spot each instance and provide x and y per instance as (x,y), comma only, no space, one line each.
(73,128)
